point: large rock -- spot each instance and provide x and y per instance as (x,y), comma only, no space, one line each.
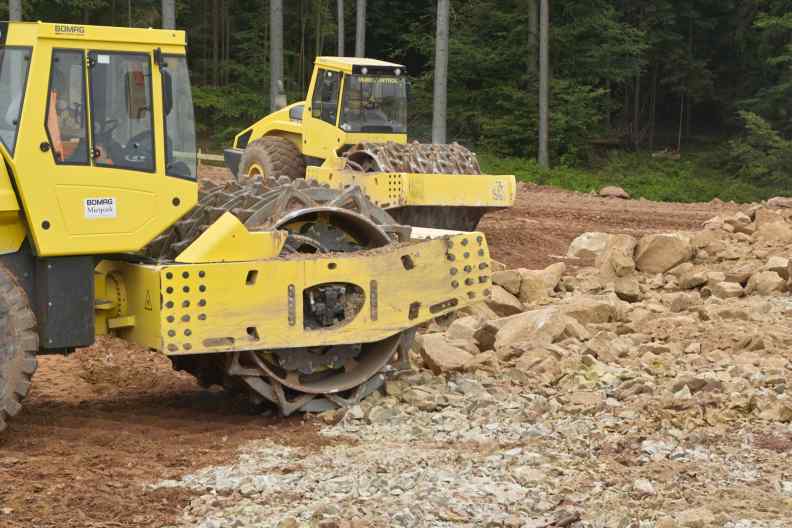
(590,310)
(727,290)
(768,216)
(780,202)
(588,245)
(741,273)
(612,191)
(659,253)
(774,232)
(480,310)
(509,280)
(765,283)
(464,328)
(504,303)
(692,279)
(778,264)
(485,335)
(440,356)
(537,285)
(617,260)
(541,363)
(627,289)
(539,327)
(740,223)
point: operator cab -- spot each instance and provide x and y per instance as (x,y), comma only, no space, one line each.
(372,95)
(98,132)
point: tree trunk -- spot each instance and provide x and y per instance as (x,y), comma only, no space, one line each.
(14,9)
(318,36)
(637,113)
(544,82)
(360,31)
(206,47)
(340,28)
(227,41)
(221,62)
(276,54)
(169,14)
(681,119)
(215,42)
(688,99)
(440,107)
(653,106)
(533,40)
(608,105)
(301,66)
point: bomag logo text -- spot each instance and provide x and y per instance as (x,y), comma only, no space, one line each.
(69,29)
(100,201)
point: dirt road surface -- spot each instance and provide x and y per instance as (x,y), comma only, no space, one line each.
(104,422)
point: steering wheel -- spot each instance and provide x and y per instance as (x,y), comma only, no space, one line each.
(139,149)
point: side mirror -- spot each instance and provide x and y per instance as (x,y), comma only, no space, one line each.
(167,91)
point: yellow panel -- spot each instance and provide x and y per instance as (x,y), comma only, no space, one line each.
(12,232)
(72,202)
(25,33)
(402,189)
(227,240)
(144,303)
(257,305)
(53,196)
(12,226)
(345,64)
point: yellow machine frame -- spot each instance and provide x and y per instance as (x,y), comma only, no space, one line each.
(229,289)
(317,139)
(232,306)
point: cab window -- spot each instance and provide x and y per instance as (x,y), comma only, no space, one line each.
(14,65)
(324,105)
(121,111)
(65,123)
(180,151)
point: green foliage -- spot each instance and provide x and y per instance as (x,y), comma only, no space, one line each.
(761,155)
(692,179)
(726,64)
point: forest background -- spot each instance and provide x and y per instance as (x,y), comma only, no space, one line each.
(683,100)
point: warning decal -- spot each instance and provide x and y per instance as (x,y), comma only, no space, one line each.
(100,208)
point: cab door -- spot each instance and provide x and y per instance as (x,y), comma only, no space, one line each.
(91,171)
(321,134)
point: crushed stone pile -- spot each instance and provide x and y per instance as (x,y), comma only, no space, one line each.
(649,388)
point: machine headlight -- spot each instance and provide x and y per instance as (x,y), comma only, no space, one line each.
(397,71)
(364,70)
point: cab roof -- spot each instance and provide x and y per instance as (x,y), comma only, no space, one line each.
(354,64)
(26,33)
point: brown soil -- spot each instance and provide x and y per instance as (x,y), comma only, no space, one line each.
(104,422)
(536,232)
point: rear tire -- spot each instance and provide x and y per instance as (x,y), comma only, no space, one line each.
(271,156)
(18,346)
